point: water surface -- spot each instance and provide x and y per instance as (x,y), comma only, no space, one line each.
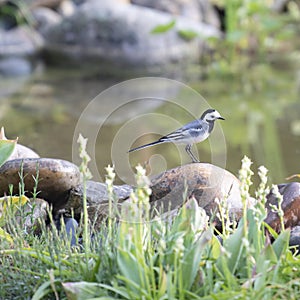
(261,109)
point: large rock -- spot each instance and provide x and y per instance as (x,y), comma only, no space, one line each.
(121,35)
(204,182)
(197,10)
(96,196)
(295,239)
(15,66)
(55,178)
(20,41)
(18,47)
(44,18)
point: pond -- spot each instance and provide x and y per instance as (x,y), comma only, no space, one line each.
(261,106)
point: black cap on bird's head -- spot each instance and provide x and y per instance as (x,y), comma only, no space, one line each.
(211,115)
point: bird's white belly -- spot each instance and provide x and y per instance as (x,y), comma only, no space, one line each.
(188,140)
(201,138)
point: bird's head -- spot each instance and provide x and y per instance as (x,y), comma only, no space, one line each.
(211,115)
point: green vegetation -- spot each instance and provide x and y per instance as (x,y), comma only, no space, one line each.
(180,257)
(164,258)
(253,31)
(14,12)
(256,38)
(6,149)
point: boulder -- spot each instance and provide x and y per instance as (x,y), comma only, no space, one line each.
(18,47)
(120,35)
(97,198)
(45,17)
(295,239)
(197,10)
(20,41)
(202,181)
(290,206)
(15,66)
(55,178)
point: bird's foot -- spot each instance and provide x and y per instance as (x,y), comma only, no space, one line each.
(195,161)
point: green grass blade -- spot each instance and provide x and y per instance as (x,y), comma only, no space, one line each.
(42,291)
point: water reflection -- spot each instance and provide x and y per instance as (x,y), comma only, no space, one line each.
(262,121)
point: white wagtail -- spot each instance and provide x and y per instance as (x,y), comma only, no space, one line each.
(189,134)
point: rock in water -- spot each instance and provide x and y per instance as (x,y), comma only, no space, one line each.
(56,177)
(119,36)
(204,182)
(197,10)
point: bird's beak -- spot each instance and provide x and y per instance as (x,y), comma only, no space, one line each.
(221,118)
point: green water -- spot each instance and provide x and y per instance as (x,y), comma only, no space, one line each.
(261,107)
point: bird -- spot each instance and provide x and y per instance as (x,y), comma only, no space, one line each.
(193,132)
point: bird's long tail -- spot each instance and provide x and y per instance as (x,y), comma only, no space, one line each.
(147,145)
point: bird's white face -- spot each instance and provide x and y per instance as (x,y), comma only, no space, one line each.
(212,116)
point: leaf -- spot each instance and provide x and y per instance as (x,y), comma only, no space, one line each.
(281,244)
(191,259)
(268,254)
(6,236)
(215,247)
(83,290)
(222,265)
(163,27)
(271,24)
(255,231)
(235,36)
(273,233)
(264,263)
(10,205)
(191,218)
(134,290)
(6,149)
(162,282)
(103,298)
(129,266)
(42,291)
(187,34)
(233,244)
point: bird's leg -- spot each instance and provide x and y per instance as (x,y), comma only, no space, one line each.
(189,152)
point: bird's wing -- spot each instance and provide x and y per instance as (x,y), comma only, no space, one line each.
(187,133)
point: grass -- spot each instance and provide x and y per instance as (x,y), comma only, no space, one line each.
(162,258)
